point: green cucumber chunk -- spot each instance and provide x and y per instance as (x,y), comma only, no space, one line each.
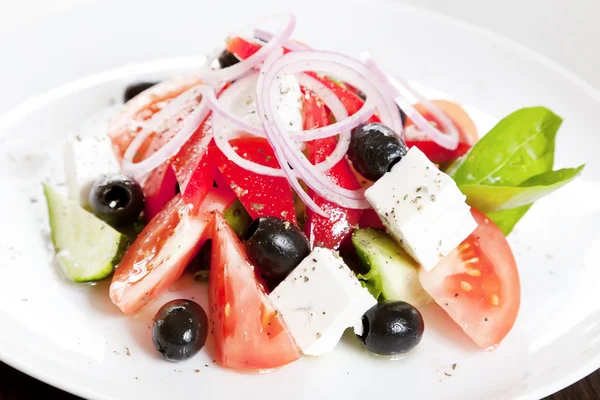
(87,248)
(392,273)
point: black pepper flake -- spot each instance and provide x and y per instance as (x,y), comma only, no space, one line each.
(406,196)
(324,313)
(454,367)
(306,279)
(447,374)
(318,335)
(455,294)
(485,319)
(314,268)
(314,260)
(432,197)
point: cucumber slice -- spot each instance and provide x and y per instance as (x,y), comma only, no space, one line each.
(393,274)
(87,248)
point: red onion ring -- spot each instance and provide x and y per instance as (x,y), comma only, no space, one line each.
(292,45)
(446,140)
(236,71)
(189,125)
(221,118)
(284,146)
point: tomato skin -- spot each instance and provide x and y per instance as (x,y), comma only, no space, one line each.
(159,255)
(159,188)
(261,195)
(478,284)
(327,232)
(466,130)
(370,219)
(193,170)
(248,333)
(125,126)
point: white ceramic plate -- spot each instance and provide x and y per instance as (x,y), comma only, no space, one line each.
(66,65)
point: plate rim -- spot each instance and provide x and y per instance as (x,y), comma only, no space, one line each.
(20,110)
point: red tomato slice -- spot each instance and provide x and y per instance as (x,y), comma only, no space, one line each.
(327,232)
(126,125)
(262,196)
(159,185)
(370,219)
(466,130)
(159,188)
(248,333)
(243,48)
(159,255)
(478,284)
(194,171)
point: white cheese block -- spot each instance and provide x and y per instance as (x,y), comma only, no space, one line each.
(93,157)
(320,299)
(421,207)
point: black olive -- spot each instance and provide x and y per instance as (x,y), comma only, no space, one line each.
(227,59)
(136,88)
(117,199)
(392,327)
(180,330)
(375,149)
(275,247)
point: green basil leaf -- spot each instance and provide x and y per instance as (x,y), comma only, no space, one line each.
(519,147)
(496,198)
(507,219)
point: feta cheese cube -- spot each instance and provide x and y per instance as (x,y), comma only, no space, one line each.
(422,207)
(320,299)
(92,157)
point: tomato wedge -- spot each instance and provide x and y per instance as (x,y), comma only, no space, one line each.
(370,219)
(160,185)
(261,195)
(327,232)
(248,333)
(478,284)
(159,255)
(192,167)
(437,154)
(127,124)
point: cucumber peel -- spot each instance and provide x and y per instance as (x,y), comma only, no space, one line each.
(392,273)
(87,248)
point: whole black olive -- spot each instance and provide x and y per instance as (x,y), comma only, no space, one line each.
(180,330)
(275,247)
(392,327)
(375,149)
(116,199)
(227,59)
(136,88)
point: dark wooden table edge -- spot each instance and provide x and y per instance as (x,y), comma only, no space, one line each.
(15,385)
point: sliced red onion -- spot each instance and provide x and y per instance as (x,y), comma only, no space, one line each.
(292,45)
(282,143)
(222,118)
(394,86)
(189,125)
(236,71)
(345,124)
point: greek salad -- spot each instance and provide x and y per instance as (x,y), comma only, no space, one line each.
(314,192)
